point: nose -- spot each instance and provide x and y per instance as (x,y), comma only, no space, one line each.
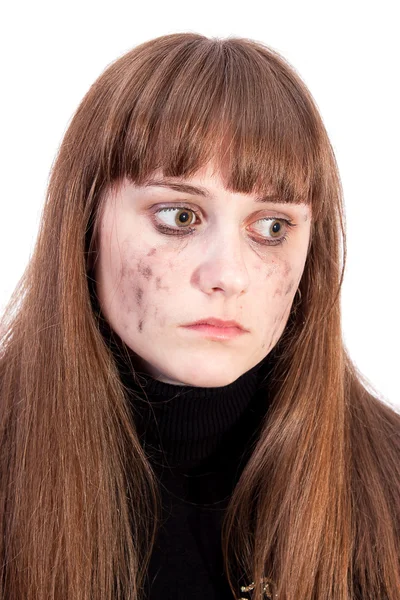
(222,266)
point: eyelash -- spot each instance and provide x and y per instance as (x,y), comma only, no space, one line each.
(165,229)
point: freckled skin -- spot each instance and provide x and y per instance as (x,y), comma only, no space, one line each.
(150,284)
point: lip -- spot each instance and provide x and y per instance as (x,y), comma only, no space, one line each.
(216,329)
(215,333)
(217,323)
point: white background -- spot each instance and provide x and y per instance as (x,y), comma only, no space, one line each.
(347,53)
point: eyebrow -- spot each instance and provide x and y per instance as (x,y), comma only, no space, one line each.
(197,190)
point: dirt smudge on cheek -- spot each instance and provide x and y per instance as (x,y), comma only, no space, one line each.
(142,287)
(284,270)
(139,295)
(134,281)
(289,288)
(279,324)
(287,268)
(144,270)
(160,321)
(182,244)
(159,285)
(141,319)
(273,268)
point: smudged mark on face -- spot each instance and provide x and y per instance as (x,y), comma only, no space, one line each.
(278,292)
(159,286)
(124,270)
(145,270)
(273,267)
(279,325)
(180,243)
(152,252)
(140,325)
(289,288)
(129,308)
(287,269)
(139,295)
(123,293)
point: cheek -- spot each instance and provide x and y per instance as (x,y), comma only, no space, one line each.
(143,288)
(279,279)
(133,281)
(279,286)
(287,280)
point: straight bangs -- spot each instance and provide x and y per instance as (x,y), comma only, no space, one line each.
(229,101)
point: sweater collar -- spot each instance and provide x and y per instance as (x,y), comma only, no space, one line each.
(186,423)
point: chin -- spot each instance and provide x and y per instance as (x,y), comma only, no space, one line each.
(198,369)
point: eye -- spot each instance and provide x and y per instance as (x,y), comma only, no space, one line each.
(273,228)
(177,220)
(180,216)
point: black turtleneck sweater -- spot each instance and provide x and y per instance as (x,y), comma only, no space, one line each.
(198,441)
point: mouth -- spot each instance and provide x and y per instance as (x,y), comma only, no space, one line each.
(216,329)
(218,323)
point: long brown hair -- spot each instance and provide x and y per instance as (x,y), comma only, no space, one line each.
(317,507)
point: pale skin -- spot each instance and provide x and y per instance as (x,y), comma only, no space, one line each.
(149,283)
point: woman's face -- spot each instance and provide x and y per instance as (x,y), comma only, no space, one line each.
(176,251)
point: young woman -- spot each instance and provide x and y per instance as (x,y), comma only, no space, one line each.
(147,449)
